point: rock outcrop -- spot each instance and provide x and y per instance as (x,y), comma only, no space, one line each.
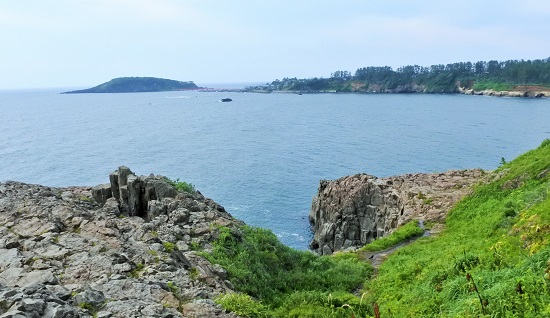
(129,250)
(354,210)
(535,92)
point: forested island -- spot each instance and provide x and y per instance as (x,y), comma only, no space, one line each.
(137,84)
(501,78)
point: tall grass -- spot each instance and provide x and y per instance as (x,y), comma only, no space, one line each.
(281,277)
(492,260)
(498,236)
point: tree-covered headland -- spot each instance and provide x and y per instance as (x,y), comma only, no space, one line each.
(137,84)
(451,78)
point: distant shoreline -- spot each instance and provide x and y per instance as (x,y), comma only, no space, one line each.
(486,92)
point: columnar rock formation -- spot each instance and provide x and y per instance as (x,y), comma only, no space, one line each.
(354,210)
(130,252)
(133,193)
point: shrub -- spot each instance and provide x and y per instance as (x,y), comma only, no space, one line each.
(181,185)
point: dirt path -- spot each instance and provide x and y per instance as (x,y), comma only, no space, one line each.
(376,258)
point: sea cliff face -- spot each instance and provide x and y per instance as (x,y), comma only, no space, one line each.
(125,249)
(354,210)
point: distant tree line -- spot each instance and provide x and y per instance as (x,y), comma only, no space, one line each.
(500,75)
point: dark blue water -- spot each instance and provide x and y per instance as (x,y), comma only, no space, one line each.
(262,155)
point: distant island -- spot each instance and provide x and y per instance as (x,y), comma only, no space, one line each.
(137,84)
(514,78)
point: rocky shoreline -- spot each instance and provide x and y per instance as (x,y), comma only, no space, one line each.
(411,89)
(126,249)
(536,93)
(135,247)
(350,212)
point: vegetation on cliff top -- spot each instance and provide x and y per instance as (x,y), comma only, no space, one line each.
(496,75)
(492,260)
(400,235)
(285,282)
(137,84)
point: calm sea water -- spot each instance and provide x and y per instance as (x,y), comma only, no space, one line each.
(262,155)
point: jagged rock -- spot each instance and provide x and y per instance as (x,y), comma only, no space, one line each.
(354,210)
(58,246)
(102,192)
(91,297)
(134,194)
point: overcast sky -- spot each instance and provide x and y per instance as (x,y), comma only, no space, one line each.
(68,43)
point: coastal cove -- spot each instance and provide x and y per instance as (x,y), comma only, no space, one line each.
(262,155)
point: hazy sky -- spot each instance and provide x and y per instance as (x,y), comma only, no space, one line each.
(68,43)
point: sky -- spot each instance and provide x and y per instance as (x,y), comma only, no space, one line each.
(67,43)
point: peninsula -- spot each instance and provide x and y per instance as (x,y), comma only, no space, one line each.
(512,78)
(137,84)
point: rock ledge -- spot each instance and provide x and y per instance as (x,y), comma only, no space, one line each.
(352,211)
(128,250)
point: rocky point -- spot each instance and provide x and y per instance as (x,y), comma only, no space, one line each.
(124,249)
(352,211)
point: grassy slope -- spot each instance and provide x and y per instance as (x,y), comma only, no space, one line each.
(499,235)
(496,240)
(284,282)
(402,234)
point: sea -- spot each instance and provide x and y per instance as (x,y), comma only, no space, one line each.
(261,156)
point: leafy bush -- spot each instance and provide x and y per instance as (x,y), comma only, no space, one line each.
(181,185)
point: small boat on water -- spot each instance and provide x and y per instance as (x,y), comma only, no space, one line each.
(226,100)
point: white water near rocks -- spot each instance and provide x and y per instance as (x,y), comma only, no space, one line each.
(262,155)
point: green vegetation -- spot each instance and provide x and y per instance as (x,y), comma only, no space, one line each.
(194,246)
(491,260)
(137,270)
(402,234)
(181,185)
(283,280)
(496,75)
(496,86)
(169,246)
(137,84)
(242,304)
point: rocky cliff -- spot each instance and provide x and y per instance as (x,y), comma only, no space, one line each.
(124,249)
(354,210)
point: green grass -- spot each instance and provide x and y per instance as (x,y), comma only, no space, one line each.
(268,271)
(402,234)
(498,236)
(242,304)
(169,246)
(496,86)
(492,260)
